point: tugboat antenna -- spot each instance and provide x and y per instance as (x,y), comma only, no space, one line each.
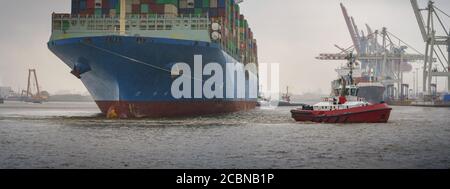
(350,64)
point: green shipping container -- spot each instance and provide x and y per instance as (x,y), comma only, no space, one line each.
(206,3)
(173,2)
(117,7)
(98,12)
(144,8)
(66,25)
(198,11)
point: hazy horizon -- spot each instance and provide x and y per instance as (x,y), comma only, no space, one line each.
(289,32)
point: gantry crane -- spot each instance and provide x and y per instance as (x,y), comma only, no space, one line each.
(434,43)
(385,61)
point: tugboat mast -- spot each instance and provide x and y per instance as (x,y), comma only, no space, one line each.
(351,62)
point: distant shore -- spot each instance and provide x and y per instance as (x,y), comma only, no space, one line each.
(70,98)
(61,98)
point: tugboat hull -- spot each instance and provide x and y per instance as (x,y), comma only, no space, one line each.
(378,113)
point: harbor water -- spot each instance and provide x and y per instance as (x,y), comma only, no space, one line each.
(74,135)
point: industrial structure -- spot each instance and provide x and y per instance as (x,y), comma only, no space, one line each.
(383,57)
(28,95)
(435,42)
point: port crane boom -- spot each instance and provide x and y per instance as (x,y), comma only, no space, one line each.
(433,43)
(351,27)
(419,19)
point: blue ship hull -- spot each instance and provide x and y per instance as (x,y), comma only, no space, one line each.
(131,75)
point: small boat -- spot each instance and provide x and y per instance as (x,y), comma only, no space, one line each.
(347,108)
(286,100)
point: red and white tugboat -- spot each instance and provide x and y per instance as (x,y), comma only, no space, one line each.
(347,108)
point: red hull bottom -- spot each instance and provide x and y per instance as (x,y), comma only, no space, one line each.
(116,109)
(379,113)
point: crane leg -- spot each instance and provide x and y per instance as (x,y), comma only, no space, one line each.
(425,72)
(448,63)
(430,65)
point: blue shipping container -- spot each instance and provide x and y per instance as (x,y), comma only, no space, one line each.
(447,98)
(75,7)
(198,3)
(221,3)
(83,5)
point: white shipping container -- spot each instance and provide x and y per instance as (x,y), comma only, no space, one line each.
(112,12)
(213,3)
(170,10)
(190,4)
(129,8)
(183,4)
(98,4)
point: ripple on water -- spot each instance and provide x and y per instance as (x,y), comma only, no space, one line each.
(77,136)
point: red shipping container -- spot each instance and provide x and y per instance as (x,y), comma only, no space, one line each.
(87,12)
(156,8)
(221,12)
(90,4)
(136,9)
(105,4)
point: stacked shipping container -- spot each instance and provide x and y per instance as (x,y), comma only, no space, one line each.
(133,7)
(95,7)
(237,37)
(213,8)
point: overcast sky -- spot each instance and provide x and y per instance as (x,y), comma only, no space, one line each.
(289,32)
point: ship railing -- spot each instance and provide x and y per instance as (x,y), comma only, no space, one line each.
(68,23)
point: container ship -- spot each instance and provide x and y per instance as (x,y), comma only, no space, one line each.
(369,88)
(124,50)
